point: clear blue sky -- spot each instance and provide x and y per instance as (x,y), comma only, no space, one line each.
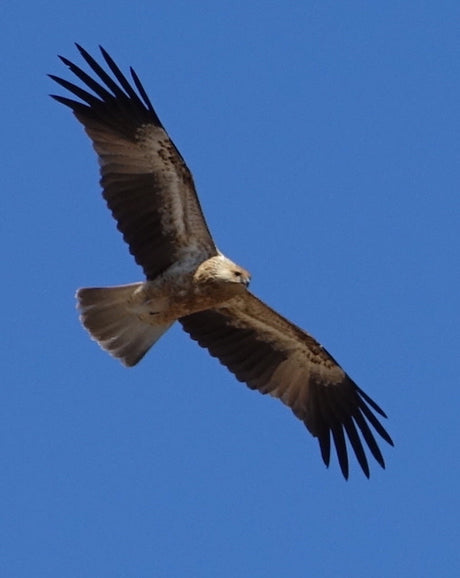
(323,137)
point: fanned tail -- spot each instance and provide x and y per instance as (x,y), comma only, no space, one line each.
(106,314)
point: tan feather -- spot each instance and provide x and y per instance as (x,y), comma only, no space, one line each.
(111,321)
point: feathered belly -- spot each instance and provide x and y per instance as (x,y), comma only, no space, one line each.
(164,303)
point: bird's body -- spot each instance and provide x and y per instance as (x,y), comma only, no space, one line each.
(183,289)
(151,194)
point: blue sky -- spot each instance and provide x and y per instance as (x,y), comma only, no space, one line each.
(323,138)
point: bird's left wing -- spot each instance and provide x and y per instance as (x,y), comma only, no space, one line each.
(270,354)
(145,180)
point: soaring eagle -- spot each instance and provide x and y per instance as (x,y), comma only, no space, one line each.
(150,192)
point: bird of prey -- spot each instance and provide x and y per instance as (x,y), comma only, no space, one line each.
(150,192)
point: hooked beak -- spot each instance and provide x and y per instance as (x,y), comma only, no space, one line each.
(246,279)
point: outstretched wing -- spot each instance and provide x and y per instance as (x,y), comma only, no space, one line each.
(272,355)
(145,180)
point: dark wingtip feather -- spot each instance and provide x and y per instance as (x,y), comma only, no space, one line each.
(346,420)
(369,437)
(324,441)
(73,104)
(371,402)
(73,88)
(116,72)
(340,448)
(357,446)
(80,48)
(141,90)
(107,95)
(376,424)
(85,54)
(65,60)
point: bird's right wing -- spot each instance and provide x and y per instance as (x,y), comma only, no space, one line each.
(145,180)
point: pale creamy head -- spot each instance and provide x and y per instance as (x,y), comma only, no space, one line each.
(221,270)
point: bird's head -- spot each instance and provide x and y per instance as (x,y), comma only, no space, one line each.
(222,272)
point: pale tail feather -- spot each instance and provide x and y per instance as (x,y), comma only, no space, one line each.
(104,313)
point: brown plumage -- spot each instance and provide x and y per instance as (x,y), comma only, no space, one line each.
(150,192)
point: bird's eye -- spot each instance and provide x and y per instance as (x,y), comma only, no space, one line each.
(237,273)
